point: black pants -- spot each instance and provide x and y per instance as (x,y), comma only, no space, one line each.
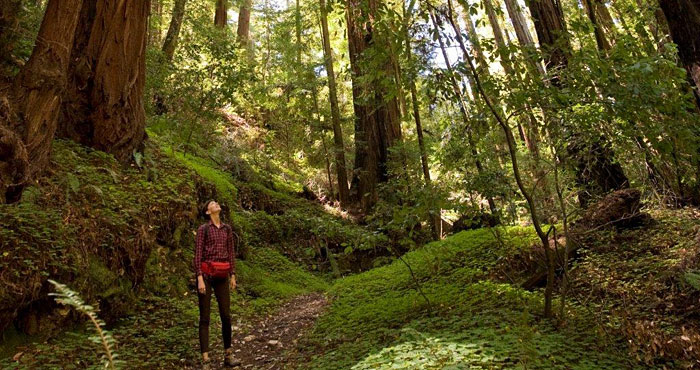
(223,298)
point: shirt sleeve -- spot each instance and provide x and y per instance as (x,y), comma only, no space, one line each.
(199,244)
(231,251)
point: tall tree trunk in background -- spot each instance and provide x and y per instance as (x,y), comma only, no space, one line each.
(436,218)
(377,120)
(551,32)
(683,17)
(297,28)
(591,11)
(522,32)
(512,150)
(529,131)
(104,99)
(9,34)
(462,105)
(243,30)
(604,18)
(338,145)
(29,111)
(596,172)
(154,22)
(173,34)
(221,13)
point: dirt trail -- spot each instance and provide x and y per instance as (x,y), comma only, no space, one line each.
(267,342)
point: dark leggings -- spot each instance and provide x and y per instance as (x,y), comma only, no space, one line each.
(223,298)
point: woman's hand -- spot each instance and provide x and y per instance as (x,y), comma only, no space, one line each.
(233,282)
(200,285)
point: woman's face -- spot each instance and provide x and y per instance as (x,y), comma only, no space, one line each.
(213,207)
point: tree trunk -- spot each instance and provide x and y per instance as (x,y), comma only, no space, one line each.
(243,31)
(29,112)
(377,123)
(596,172)
(435,219)
(297,28)
(9,35)
(551,32)
(683,17)
(104,99)
(529,133)
(462,105)
(512,150)
(154,22)
(522,32)
(339,146)
(590,7)
(171,37)
(221,13)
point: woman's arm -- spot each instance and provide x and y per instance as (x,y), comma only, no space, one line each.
(231,251)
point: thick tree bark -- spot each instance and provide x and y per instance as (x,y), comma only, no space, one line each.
(551,32)
(377,120)
(683,17)
(104,101)
(590,6)
(243,30)
(221,13)
(29,111)
(522,32)
(339,146)
(173,34)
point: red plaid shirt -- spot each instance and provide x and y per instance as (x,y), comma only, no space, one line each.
(217,247)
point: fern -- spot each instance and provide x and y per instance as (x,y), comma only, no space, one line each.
(104,337)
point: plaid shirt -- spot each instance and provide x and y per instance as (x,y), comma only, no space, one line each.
(217,247)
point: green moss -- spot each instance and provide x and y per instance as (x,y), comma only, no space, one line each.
(207,169)
(379,319)
(270,277)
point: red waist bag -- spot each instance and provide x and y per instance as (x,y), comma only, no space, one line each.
(216,269)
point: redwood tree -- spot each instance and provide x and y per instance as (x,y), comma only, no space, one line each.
(104,105)
(339,147)
(170,42)
(377,116)
(596,172)
(221,13)
(243,30)
(30,107)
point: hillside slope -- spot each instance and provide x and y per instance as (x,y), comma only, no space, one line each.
(122,238)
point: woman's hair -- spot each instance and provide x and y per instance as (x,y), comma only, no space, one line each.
(205,207)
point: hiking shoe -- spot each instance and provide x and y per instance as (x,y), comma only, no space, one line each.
(231,360)
(206,365)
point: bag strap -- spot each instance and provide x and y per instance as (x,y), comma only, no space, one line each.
(206,232)
(229,231)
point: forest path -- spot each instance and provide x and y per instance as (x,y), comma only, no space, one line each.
(269,342)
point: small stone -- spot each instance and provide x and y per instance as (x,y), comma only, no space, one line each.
(273,342)
(249,338)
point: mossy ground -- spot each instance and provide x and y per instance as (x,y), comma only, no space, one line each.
(123,239)
(379,319)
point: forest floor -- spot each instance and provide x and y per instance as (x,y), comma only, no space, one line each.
(270,341)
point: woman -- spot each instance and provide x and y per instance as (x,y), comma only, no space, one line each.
(215,267)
